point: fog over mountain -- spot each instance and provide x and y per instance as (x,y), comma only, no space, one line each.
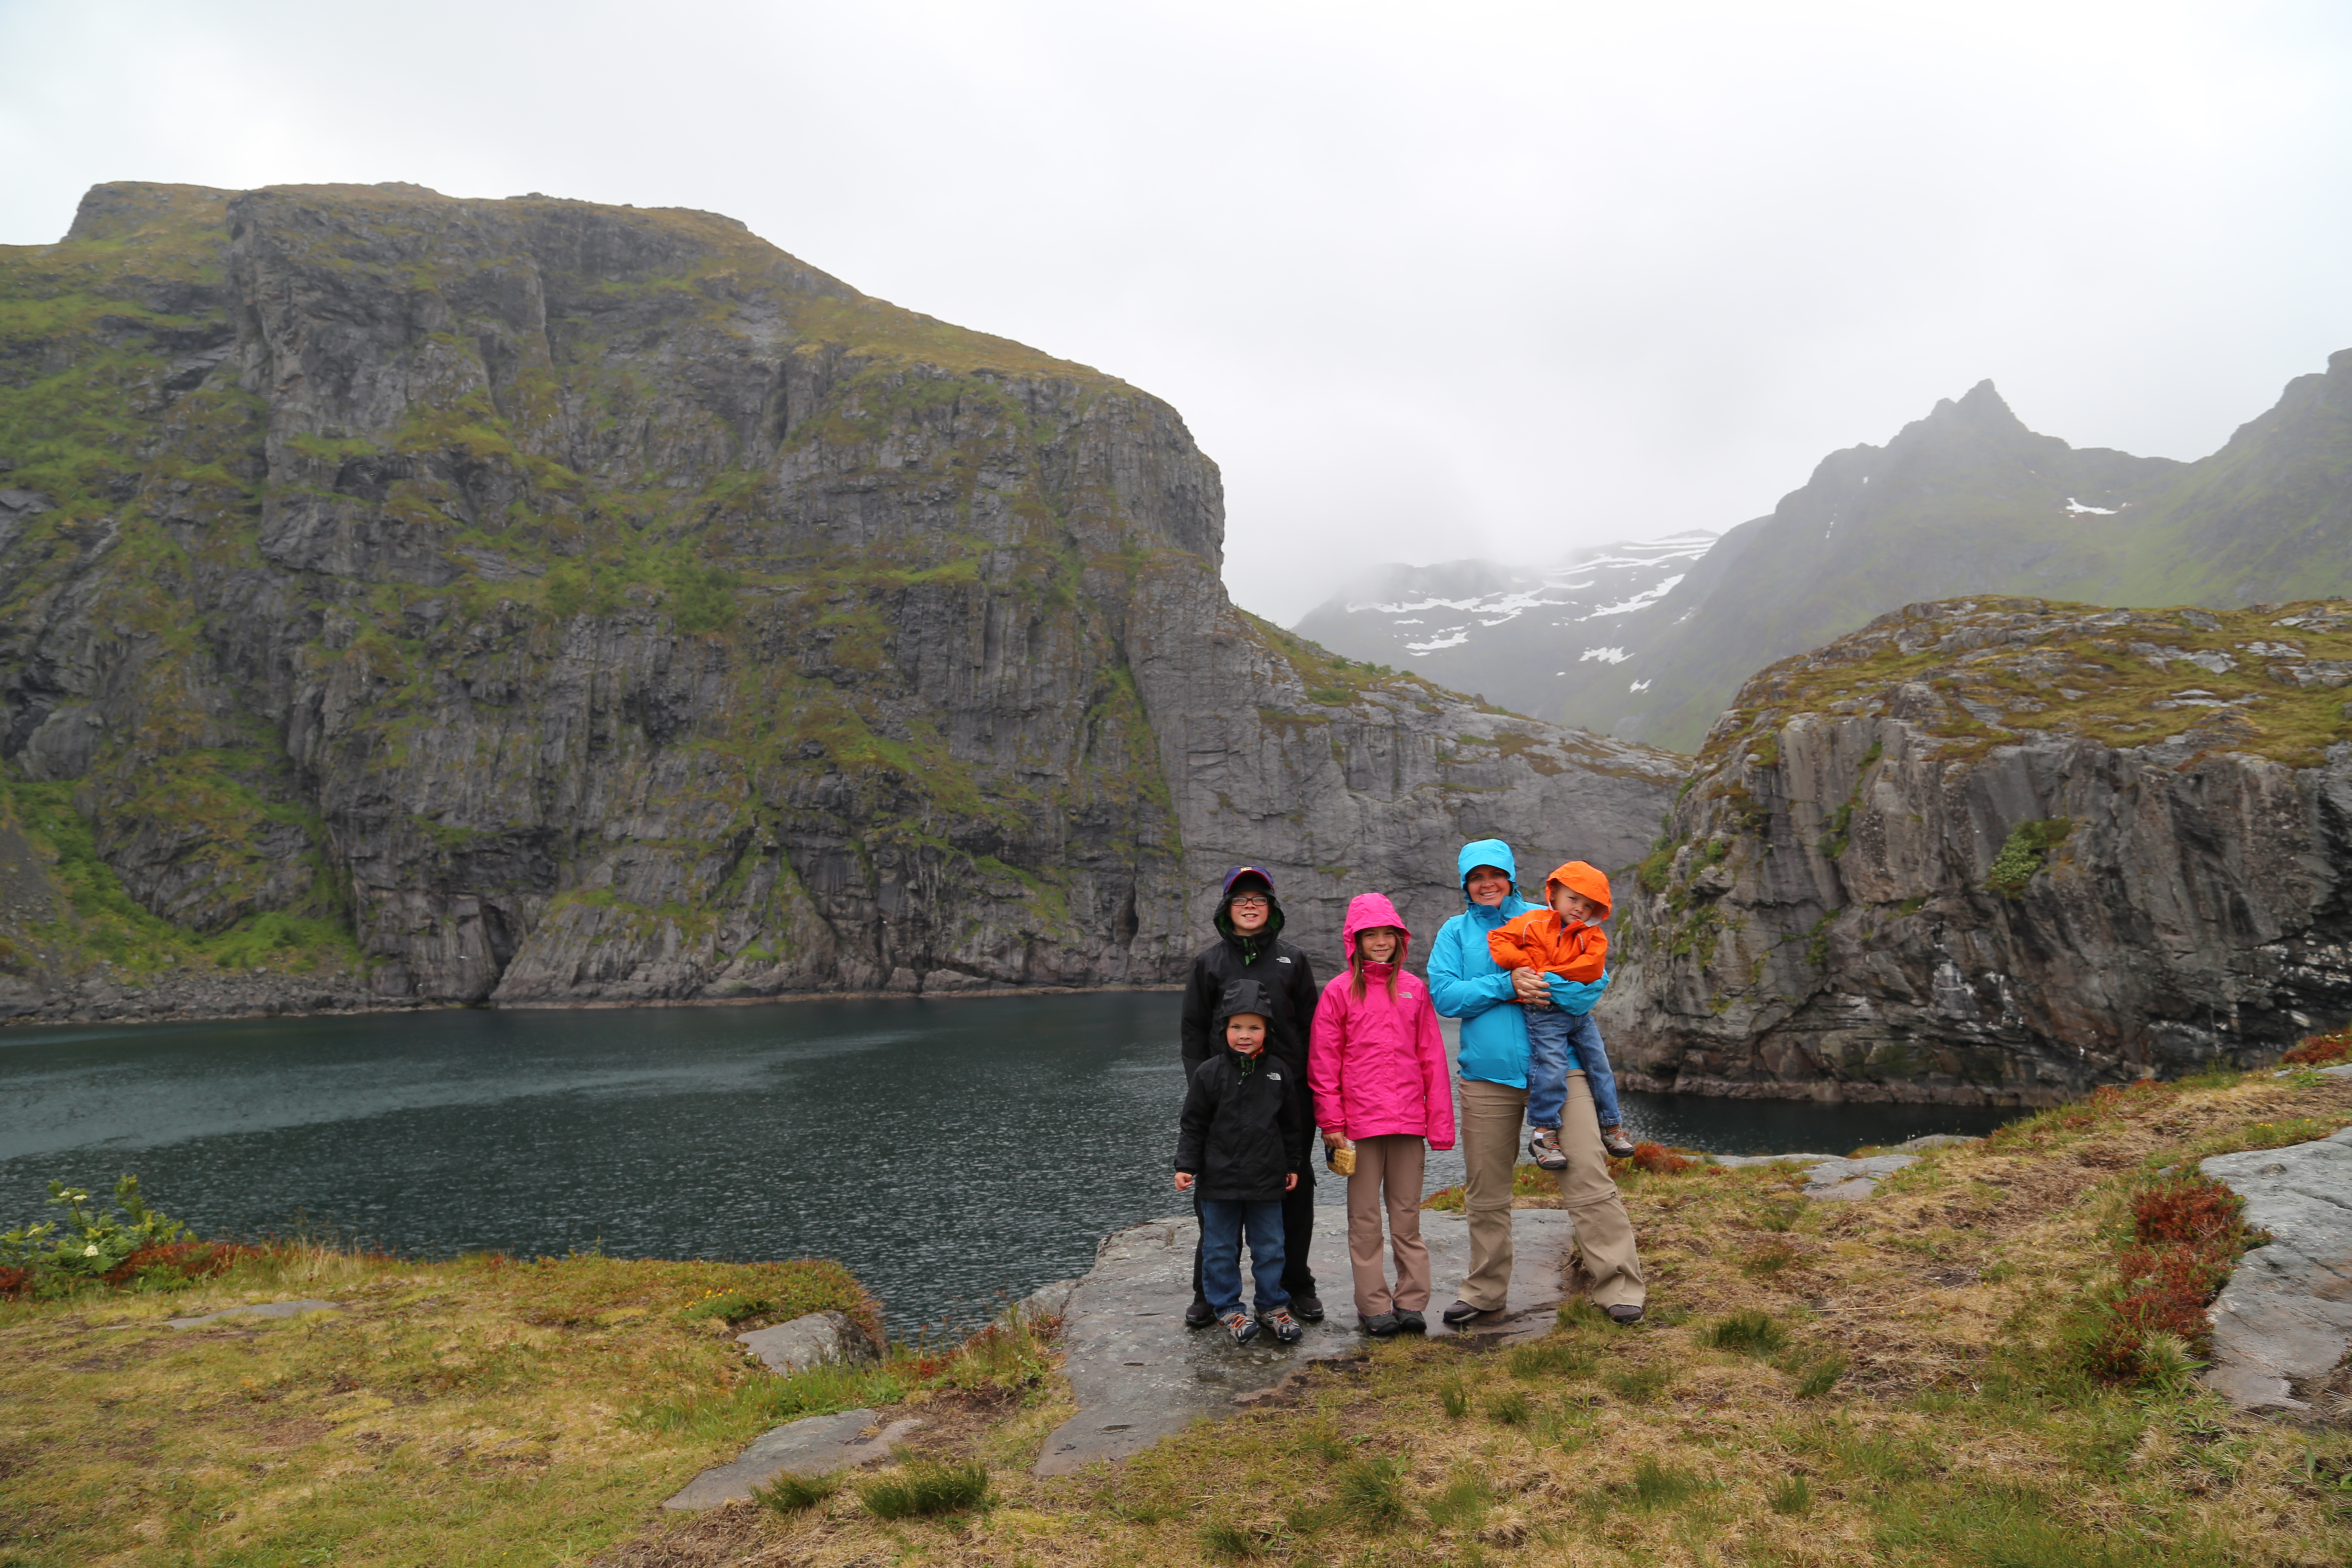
(1965,500)
(1492,281)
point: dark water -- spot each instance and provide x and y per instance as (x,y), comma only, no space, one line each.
(946,1151)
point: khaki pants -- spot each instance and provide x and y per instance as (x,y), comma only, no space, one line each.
(1388,1167)
(1491,1114)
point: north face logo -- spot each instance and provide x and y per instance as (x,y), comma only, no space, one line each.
(1281,961)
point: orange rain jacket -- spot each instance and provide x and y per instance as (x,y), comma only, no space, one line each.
(1544,939)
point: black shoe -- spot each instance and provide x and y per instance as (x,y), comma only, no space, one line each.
(1411,1322)
(1307,1307)
(1199,1315)
(1625,1314)
(1462,1312)
(1380,1325)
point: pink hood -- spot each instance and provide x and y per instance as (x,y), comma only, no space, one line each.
(1377,1063)
(1366,911)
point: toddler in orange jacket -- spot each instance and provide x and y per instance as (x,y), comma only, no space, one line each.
(1565,942)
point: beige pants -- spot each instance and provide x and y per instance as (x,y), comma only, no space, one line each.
(1491,1114)
(1387,1173)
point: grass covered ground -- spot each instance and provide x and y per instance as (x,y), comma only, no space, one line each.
(1905,1380)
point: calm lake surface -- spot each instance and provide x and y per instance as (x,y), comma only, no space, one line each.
(950,1152)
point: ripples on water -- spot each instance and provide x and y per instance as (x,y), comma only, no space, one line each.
(947,1151)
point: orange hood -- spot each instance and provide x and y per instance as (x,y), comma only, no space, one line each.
(1579,878)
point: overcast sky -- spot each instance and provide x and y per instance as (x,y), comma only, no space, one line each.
(1428,281)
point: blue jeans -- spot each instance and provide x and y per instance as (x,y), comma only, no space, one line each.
(1555,1040)
(1221,1220)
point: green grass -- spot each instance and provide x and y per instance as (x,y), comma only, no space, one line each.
(1749,1334)
(792,1494)
(924,1489)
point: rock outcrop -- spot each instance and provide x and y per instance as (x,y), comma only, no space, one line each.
(535,601)
(1998,851)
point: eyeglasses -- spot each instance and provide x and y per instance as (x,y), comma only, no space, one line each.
(1252,901)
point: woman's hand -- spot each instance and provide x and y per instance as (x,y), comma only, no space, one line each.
(1332,1139)
(1534,987)
(1290,1181)
(1183,1180)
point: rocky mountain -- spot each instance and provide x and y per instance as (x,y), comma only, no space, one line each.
(405,598)
(1502,631)
(1966,500)
(2001,850)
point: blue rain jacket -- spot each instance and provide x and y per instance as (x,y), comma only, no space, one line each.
(1465,983)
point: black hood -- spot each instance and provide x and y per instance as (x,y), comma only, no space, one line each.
(1239,996)
(1248,879)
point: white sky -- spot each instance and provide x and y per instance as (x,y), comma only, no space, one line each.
(1427,280)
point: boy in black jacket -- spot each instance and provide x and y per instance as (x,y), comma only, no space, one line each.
(1249,946)
(1240,1142)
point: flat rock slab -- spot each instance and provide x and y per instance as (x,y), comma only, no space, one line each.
(265,1309)
(2284,1319)
(816,1446)
(1140,1374)
(1850,1181)
(811,1339)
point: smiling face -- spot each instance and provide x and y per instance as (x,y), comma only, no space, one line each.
(1377,944)
(1249,912)
(1488,885)
(1245,1031)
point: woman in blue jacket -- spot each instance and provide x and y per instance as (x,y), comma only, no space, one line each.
(1467,982)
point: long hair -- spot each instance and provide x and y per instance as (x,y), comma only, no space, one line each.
(1356,965)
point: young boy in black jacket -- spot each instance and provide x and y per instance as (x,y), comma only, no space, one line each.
(1249,946)
(1240,1142)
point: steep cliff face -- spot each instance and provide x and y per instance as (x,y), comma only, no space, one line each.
(536,601)
(2002,849)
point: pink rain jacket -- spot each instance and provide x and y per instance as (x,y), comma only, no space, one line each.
(1377,1066)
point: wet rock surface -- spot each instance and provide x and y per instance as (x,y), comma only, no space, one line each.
(816,1445)
(2000,852)
(2282,1323)
(263,1309)
(812,1340)
(1139,1373)
(578,603)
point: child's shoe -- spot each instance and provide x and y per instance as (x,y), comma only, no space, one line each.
(1282,1325)
(1238,1324)
(1614,1139)
(1545,1147)
(1380,1325)
(1411,1322)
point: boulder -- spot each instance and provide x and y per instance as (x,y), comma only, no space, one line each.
(815,1338)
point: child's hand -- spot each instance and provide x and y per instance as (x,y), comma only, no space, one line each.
(1183,1180)
(1333,1140)
(1290,1181)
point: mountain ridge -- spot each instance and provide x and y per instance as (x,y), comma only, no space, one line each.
(407,599)
(1967,499)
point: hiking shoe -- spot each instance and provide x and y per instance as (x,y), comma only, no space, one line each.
(1622,1314)
(1199,1314)
(1620,1147)
(1462,1312)
(1306,1306)
(1238,1324)
(1380,1325)
(1411,1322)
(1545,1147)
(1282,1325)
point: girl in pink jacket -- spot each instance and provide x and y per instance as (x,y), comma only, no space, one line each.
(1377,1066)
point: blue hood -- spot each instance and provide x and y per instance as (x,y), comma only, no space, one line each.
(1467,982)
(1486,852)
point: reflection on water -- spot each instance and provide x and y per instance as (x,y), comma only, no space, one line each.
(947,1151)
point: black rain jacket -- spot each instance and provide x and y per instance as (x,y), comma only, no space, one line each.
(1241,1132)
